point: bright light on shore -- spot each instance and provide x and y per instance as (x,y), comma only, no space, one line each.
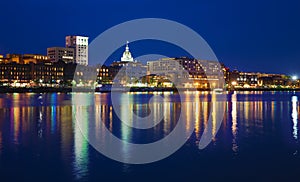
(294,77)
(234,83)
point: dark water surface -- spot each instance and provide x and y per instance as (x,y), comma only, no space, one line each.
(257,141)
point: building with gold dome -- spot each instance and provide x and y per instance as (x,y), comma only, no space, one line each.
(130,71)
(127,57)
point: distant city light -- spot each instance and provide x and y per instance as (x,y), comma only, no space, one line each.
(234,83)
(294,77)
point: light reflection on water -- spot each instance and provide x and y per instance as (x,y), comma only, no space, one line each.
(80,161)
(46,121)
(234,127)
(295,116)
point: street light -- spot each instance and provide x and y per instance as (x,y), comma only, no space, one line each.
(294,77)
(234,83)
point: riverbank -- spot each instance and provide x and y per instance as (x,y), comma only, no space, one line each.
(267,89)
(133,89)
(35,89)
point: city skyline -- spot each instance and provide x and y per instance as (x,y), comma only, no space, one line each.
(117,56)
(54,70)
(118,52)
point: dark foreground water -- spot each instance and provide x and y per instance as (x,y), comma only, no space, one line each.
(257,141)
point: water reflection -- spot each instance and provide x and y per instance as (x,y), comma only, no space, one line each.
(234,126)
(126,116)
(39,124)
(190,107)
(80,164)
(15,123)
(43,124)
(295,116)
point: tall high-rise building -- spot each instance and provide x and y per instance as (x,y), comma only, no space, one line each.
(80,46)
(60,54)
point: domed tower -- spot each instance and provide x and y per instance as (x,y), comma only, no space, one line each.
(127,57)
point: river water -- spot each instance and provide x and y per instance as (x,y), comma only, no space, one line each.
(40,138)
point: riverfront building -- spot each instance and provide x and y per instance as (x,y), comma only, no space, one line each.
(56,54)
(80,46)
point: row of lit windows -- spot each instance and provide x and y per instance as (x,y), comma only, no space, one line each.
(14,77)
(35,73)
(48,73)
(49,69)
(12,73)
(104,70)
(46,77)
(14,68)
(103,74)
(245,79)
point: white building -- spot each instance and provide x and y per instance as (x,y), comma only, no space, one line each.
(170,68)
(60,54)
(187,71)
(80,46)
(166,66)
(127,57)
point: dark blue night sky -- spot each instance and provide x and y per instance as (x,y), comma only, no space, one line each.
(249,35)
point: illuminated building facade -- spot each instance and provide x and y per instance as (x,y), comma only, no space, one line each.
(254,80)
(80,46)
(26,73)
(56,54)
(247,79)
(273,80)
(191,72)
(17,58)
(167,67)
(34,58)
(3,59)
(48,72)
(26,58)
(106,74)
(243,79)
(11,72)
(129,70)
